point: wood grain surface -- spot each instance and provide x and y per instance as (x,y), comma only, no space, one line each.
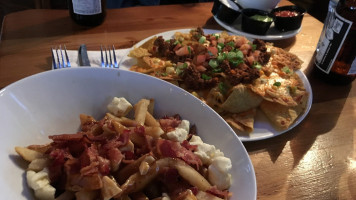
(315,160)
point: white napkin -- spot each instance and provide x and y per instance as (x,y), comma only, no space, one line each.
(94,57)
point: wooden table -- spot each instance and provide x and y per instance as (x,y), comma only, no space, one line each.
(315,160)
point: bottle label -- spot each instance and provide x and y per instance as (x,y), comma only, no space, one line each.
(331,42)
(87,7)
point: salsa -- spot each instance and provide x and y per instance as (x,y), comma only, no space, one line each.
(262,18)
(286,13)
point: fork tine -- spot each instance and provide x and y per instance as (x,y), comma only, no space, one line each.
(114,55)
(111,65)
(65,52)
(102,56)
(64,65)
(59,62)
(53,59)
(106,57)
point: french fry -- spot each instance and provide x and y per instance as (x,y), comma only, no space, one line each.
(28,154)
(151,121)
(155,132)
(40,148)
(141,108)
(119,128)
(110,188)
(151,106)
(123,120)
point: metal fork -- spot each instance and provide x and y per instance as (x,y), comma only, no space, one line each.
(108,57)
(62,60)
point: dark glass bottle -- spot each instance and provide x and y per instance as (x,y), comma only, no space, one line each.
(87,12)
(335,58)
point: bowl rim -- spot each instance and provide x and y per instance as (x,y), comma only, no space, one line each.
(16,84)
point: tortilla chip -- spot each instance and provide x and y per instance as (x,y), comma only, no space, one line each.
(241,99)
(149,43)
(281,58)
(283,116)
(243,122)
(139,52)
(266,87)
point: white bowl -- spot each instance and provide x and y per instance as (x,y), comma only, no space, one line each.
(258,4)
(50,103)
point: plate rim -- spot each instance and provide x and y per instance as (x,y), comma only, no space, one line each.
(268,135)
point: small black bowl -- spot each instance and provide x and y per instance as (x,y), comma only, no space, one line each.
(226,10)
(254,26)
(291,17)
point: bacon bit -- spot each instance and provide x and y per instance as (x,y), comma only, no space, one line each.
(188,146)
(129,155)
(219,193)
(66,137)
(168,148)
(104,165)
(169,123)
(115,157)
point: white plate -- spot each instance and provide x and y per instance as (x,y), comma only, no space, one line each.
(50,103)
(263,129)
(272,33)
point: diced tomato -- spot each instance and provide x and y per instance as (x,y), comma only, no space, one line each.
(213,50)
(213,43)
(201,68)
(183,51)
(200,59)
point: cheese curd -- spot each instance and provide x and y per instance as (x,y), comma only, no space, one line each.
(219,165)
(119,106)
(218,172)
(180,133)
(177,135)
(39,182)
(206,152)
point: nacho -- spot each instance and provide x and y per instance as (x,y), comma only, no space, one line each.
(282,117)
(241,99)
(231,74)
(242,122)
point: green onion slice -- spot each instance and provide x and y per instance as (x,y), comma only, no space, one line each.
(205,77)
(213,63)
(231,44)
(286,70)
(223,88)
(257,65)
(277,84)
(221,57)
(202,39)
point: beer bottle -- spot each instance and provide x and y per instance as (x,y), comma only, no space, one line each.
(336,51)
(87,12)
